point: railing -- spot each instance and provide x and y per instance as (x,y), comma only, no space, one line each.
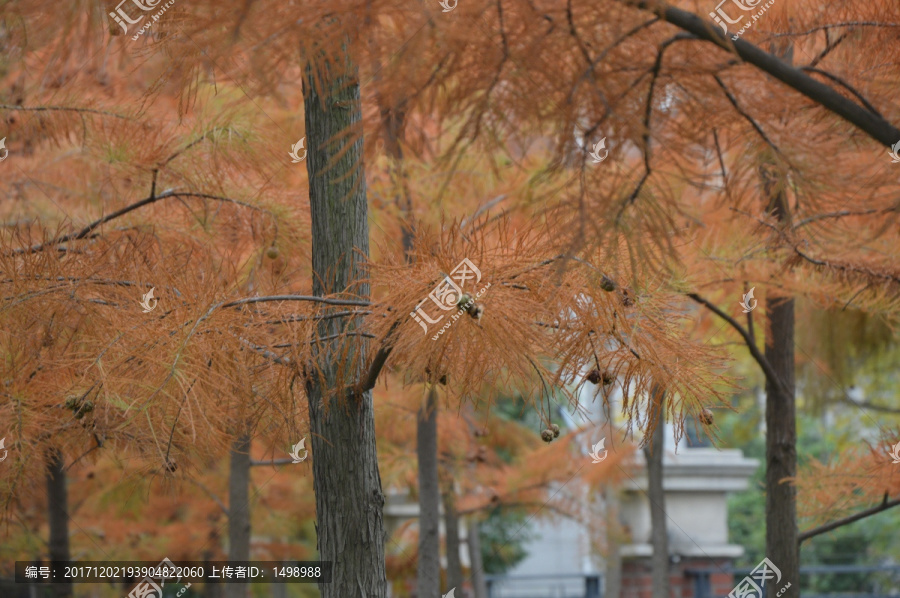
(544,586)
(875,589)
(872,581)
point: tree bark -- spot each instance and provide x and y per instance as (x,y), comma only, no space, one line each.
(782,546)
(479,585)
(58,519)
(659,536)
(451,529)
(781,441)
(239,510)
(612,584)
(349,497)
(428,582)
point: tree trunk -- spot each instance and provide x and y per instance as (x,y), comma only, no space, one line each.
(349,498)
(451,529)
(428,581)
(781,446)
(479,585)
(58,520)
(659,537)
(782,546)
(612,584)
(239,510)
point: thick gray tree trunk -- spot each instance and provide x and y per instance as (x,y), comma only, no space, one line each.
(428,580)
(451,529)
(479,584)
(782,547)
(659,536)
(58,519)
(349,497)
(239,510)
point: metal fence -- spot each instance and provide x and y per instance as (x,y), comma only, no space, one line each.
(816,581)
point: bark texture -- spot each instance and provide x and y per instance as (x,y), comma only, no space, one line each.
(479,585)
(782,545)
(451,529)
(349,498)
(58,519)
(659,535)
(612,583)
(428,579)
(239,510)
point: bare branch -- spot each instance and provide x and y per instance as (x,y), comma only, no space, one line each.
(751,343)
(873,125)
(282,461)
(884,506)
(210,493)
(84,232)
(64,109)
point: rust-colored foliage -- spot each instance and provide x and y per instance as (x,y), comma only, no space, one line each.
(162,162)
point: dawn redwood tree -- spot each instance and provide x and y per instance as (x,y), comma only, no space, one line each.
(677,108)
(349,496)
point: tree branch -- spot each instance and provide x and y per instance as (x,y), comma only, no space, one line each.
(64,109)
(884,506)
(282,461)
(210,493)
(313,298)
(751,343)
(129,208)
(378,362)
(873,125)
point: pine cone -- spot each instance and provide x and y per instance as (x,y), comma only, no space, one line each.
(594,376)
(476,310)
(555,430)
(706,417)
(547,435)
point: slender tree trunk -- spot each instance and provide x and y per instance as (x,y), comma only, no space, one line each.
(479,585)
(451,529)
(239,510)
(782,547)
(212,587)
(349,497)
(659,537)
(428,582)
(58,519)
(613,579)
(781,441)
